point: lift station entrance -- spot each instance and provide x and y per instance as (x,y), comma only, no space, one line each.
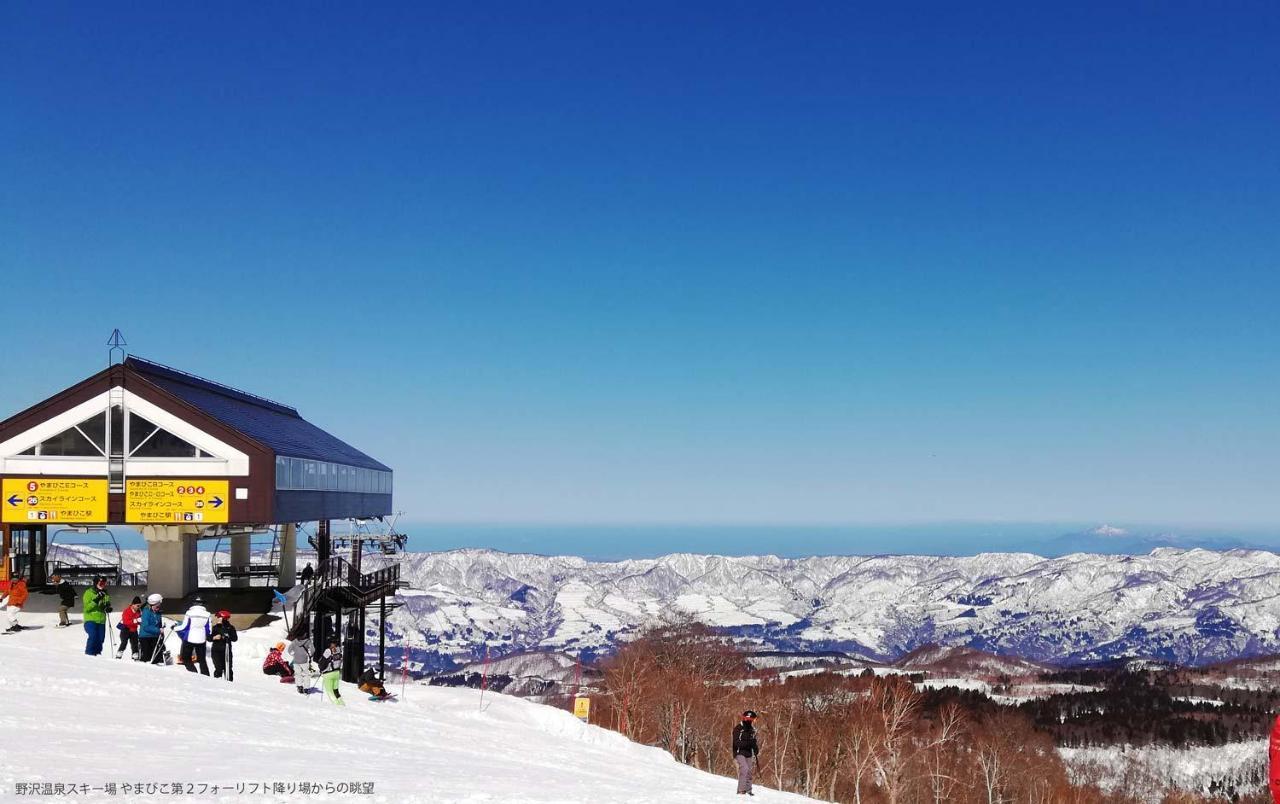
(181,459)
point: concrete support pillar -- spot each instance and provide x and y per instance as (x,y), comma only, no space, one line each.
(288,556)
(171,561)
(240,557)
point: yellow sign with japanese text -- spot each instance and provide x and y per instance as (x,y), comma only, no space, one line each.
(174,502)
(582,709)
(54,499)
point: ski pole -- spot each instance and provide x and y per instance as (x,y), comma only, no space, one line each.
(111,642)
(231,663)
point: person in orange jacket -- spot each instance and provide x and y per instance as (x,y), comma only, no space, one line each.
(15,600)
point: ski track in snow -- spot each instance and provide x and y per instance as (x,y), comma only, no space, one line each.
(75,718)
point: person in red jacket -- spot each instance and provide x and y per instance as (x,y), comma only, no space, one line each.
(275,665)
(129,628)
(16,599)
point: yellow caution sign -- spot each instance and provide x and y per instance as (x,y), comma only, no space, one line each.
(54,499)
(173,502)
(582,708)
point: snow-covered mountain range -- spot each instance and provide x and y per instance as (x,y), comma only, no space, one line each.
(1187,606)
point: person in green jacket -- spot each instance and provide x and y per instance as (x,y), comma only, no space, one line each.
(96,605)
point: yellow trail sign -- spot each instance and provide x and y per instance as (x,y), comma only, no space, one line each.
(582,708)
(54,499)
(168,502)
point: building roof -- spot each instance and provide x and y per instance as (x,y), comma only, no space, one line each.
(277,427)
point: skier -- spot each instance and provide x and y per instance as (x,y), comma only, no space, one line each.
(221,636)
(195,636)
(307,573)
(16,598)
(151,631)
(370,683)
(66,599)
(331,671)
(745,751)
(300,652)
(129,620)
(97,604)
(275,665)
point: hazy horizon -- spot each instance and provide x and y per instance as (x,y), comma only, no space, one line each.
(610,542)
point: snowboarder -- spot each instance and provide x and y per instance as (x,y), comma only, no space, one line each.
(275,665)
(151,630)
(128,626)
(195,636)
(308,573)
(221,636)
(97,604)
(16,598)
(370,683)
(66,598)
(745,751)
(300,652)
(331,671)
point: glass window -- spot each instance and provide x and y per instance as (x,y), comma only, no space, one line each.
(95,429)
(295,472)
(164,444)
(117,430)
(139,430)
(282,472)
(75,442)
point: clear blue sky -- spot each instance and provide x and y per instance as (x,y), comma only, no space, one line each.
(738,263)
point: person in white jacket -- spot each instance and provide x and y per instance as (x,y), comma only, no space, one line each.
(194,631)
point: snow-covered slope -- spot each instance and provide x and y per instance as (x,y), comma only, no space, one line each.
(70,718)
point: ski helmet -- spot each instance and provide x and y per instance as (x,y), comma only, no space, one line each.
(155,600)
(749,715)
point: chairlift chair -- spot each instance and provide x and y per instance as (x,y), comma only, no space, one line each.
(84,552)
(264,556)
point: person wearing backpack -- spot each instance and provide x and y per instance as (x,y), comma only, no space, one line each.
(300,651)
(331,671)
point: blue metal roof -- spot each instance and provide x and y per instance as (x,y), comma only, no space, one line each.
(278,427)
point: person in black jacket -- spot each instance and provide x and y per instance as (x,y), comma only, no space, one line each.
(221,634)
(745,750)
(66,598)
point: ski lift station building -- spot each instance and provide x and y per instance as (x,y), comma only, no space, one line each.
(178,458)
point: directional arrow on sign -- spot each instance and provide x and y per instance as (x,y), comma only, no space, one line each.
(217,502)
(14,499)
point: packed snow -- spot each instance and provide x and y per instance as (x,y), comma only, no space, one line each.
(72,718)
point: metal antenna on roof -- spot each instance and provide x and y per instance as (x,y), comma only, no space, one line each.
(117,343)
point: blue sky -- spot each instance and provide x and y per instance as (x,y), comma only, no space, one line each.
(735,264)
